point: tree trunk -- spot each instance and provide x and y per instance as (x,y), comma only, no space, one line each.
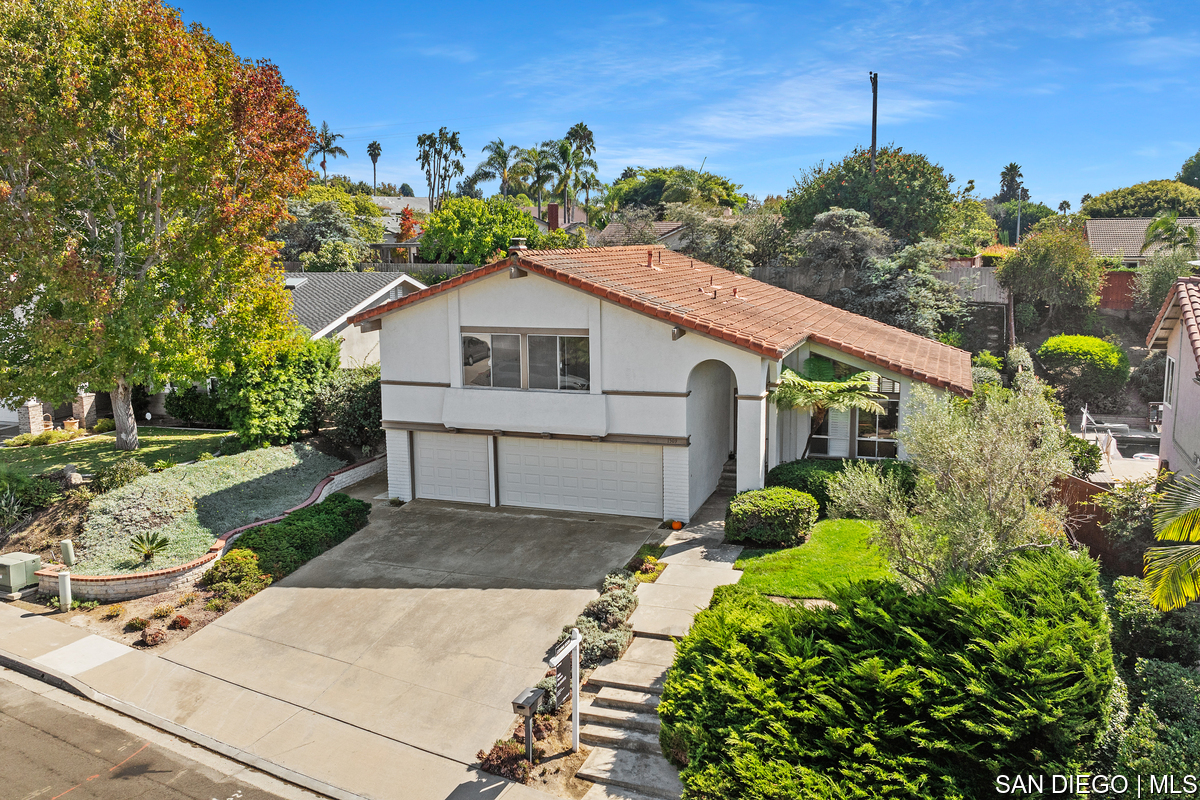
(815,418)
(122,405)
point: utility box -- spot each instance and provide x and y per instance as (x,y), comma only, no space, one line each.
(17,571)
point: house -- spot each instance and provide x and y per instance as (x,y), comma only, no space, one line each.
(668,234)
(1176,331)
(1123,238)
(322,301)
(620,380)
(570,220)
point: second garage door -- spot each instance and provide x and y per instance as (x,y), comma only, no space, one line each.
(453,466)
(601,477)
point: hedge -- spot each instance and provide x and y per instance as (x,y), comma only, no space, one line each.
(891,694)
(775,517)
(283,547)
(1084,368)
(811,476)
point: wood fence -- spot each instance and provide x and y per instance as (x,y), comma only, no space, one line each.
(1116,293)
(1085,518)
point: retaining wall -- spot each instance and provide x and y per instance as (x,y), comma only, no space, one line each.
(113,588)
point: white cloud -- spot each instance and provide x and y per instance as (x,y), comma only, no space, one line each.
(458,53)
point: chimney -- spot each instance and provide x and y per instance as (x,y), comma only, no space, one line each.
(552,216)
(649,258)
(516,245)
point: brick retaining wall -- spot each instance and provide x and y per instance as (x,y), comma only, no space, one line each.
(113,588)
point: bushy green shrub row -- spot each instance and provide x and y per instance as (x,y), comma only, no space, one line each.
(812,475)
(282,547)
(118,474)
(236,576)
(352,400)
(192,405)
(1083,368)
(891,694)
(603,625)
(776,517)
(45,437)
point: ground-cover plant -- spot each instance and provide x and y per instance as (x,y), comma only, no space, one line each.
(282,547)
(193,504)
(775,517)
(603,624)
(92,454)
(645,563)
(838,551)
(893,694)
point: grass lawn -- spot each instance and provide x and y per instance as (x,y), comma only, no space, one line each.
(90,454)
(838,551)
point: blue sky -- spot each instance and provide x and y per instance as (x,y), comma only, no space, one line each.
(1085,96)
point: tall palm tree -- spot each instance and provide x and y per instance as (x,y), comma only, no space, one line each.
(374,151)
(569,161)
(500,162)
(811,393)
(1166,230)
(326,147)
(581,138)
(589,182)
(1173,573)
(537,166)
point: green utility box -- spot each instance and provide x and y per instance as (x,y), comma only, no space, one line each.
(17,571)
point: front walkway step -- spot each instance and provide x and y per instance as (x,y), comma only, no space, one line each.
(620,718)
(631,675)
(667,595)
(608,736)
(650,651)
(643,702)
(661,623)
(601,792)
(647,773)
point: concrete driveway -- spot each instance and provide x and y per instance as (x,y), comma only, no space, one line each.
(424,625)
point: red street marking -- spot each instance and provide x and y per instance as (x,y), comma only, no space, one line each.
(140,749)
(76,786)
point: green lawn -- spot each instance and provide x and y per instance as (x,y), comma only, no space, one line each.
(838,551)
(94,452)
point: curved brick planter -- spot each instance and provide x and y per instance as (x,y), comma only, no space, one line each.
(111,588)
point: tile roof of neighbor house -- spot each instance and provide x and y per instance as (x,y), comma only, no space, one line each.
(710,300)
(1111,237)
(618,234)
(394,205)
(321,299)
(1183,306)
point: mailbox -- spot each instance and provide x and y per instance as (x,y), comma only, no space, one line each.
(528,701)
(17,571)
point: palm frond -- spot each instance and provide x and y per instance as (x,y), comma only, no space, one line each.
(1177,518)
(1173,575)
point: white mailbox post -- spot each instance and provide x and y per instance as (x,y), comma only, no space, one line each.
(566,682)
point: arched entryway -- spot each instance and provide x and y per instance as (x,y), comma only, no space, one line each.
(711,427)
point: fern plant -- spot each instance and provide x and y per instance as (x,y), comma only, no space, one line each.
(148,544)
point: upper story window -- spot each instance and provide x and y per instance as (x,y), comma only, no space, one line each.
(526,361)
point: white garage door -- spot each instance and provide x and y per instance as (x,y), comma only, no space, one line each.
(453,466)
(603,477)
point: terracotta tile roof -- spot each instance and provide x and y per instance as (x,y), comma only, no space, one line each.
(748,313)
(1181,306)
(1110,237)
(618,234)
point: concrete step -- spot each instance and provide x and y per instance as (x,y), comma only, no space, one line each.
(646,773)
(650,651)
(633,676)
(643,702)
(657,622)
(620,738)
(600,791)
(620,718)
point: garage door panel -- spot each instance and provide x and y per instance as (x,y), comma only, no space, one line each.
(583,476)
(453,466)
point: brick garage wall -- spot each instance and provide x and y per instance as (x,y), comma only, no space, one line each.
(113,588)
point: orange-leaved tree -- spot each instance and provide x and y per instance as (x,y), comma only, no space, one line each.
(142,166)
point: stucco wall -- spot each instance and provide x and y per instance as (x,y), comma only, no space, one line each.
(1181,422)
(358,348)
(708,411)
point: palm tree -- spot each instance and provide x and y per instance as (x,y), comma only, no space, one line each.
(536,165)
(374,151)
(581,138)
(1173,573)
(500,162)
(589,182)
(326,146)
(810,393)
(569,161)
(1165,230)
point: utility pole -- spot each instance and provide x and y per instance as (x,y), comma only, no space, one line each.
(874,115)
(1020,191)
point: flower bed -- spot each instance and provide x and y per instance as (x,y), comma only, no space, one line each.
(193,504)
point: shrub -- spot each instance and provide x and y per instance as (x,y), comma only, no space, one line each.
(86,605)
(283,546)
(43,438)
(1171,690)
(181,623)
(162,612)
(1017,359)
(205,456)
(1085,456)
(812,476)
(352,400)
(1140,630)
(549,701)
(507,759)
(864,487)
(236,576)
(114,612)
(40,492)
(985,376)
(104,426)
(1130,505)
(611,608)
(118,474)
(153,636)
(952,338)
(1084,368)
(192,405)
(598,642)
(776,516)
(925,695)
(1150,376)
(1026,316)
(163,464)
(217,604)
(137,624)
(148,544)
(187,599)
(619,579)
(984,358)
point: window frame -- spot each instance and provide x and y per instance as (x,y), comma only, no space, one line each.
(523,334)
(891,400)
(1168,383)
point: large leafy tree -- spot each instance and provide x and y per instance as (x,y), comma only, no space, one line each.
(818,392)
(639,186)
(141,167)
(440,155)
(1189,173)
(908,195)
(1055,267)
(1173,572)
(470,231)
(1145,200)
(904,290)
(326,147)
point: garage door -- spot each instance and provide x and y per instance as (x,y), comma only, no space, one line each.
(600,477)
(453,466)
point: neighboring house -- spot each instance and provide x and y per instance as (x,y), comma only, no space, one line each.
(620,381)
(555,217)
(668,234)
(1177,331)
(322,301)
(1123,238)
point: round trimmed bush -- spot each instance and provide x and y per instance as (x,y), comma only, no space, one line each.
(775,516)
(1084,368)
(812,476)
(985,376)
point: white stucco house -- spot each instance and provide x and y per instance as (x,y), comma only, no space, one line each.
(620,380)
(1177,331)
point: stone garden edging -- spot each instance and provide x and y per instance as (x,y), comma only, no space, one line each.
(110,588)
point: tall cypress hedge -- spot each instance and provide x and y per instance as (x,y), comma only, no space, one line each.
(892,694)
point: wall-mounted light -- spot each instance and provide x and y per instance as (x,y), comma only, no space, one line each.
(677,333)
